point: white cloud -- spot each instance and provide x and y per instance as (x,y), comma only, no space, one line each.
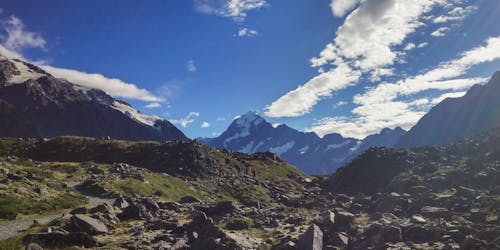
(340,104)
(421,45)
(342,7)
(370,32)
(456,14)
(18,38)
(235,9)
(191,66)
(440,32)
(112,86)
(363,44)
(205,125)
(246,32)
(153,105)
(185,121)
(448,95)
(301,100)
(395,99)
(409,46)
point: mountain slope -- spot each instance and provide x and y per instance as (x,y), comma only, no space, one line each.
(54,107)
(251,133)
(458,118)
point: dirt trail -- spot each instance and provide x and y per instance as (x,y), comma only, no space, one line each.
(14,227)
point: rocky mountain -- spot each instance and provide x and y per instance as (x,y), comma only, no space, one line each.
(457,118)
(251,133)
(41,105)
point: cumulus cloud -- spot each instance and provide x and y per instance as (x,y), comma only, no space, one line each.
(342,7)
(395,99)
(205,125)
(191,66)
(364,44)
(455,14)
(440,32)
(185,121)
(235,9)
(246,32)
(301,100)
(16,39)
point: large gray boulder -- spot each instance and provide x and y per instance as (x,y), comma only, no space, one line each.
(89,225)
(312,239)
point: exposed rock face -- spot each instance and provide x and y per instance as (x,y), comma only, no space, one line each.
(37,104)
(312,239)
(458,118)
(89,225)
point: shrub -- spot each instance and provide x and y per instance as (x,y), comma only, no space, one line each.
(239,223)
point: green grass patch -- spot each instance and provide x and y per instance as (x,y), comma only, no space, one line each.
(249,194)
(11,244)
(10,206)
(239,223)
(164,186)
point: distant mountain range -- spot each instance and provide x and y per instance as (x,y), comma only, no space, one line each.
(457,118)
(33,103)
(251,133)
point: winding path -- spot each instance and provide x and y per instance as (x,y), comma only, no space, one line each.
(14,227)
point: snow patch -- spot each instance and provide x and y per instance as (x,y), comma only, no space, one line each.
(136,115)
(337,146)
(25,73)
(356,147)
(244,123)
(303,150)
(283,148)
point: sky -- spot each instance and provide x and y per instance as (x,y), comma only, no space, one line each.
(351,67)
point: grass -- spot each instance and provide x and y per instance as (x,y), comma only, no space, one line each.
(12,244)
(248,194)
(11,205)
(239,223)
(164,186)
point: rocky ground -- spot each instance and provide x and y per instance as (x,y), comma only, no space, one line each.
(428,198)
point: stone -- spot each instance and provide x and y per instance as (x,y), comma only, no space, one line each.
(392,234)
(61,240)
(435,212)
(418,233)
(121,203)
(339,239)
(418,219)
(189,199)
(326,219)
(89,225)
(79,210)
(33,246)
(312,239)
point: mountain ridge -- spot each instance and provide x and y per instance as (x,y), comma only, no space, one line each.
(55,107)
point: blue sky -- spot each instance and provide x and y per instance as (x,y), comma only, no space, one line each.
(346,66)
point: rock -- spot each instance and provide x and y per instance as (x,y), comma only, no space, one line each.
(169,205)
(392,234)
(33,246)
(188,199)
(121,203)
(343,220)
(339,239)
(79,210)
(418,234)
(435,212)
(61,240)
(312,239)
(418,219)
(326,219)
(221,208)
(89,225)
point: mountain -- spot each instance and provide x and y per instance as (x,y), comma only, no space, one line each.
(251,133)
(41,105)
(457,118)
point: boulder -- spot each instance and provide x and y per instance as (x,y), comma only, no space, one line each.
(312,239)
(435,212)
(61,240)
(189,199)
(339,239)
(89,225)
